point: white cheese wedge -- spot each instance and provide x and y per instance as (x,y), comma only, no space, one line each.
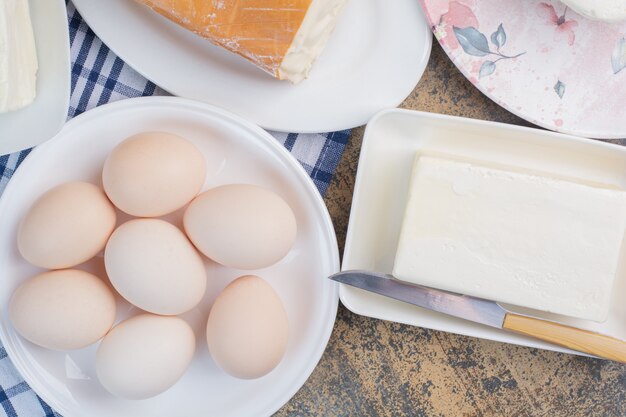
(607,10)
(512,237)
(18,57)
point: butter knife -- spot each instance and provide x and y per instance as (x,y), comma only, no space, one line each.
(486,312)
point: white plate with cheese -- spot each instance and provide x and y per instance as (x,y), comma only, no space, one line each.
(372,61)
(236,152)
(46,114)
(394,138)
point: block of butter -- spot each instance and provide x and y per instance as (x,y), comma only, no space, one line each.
(512,236)
(18,58)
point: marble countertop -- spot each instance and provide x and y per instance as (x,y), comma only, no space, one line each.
(377,368)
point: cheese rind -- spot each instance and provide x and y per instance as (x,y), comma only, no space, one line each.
(310,40)
(282,37)
(18,56)
(512,237)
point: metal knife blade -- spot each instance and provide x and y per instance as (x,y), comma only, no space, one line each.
(487,312)
(462,306)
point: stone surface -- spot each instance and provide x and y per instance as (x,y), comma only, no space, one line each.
(378,368)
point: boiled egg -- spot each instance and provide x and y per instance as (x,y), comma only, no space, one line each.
(151,264)
(63,309)
(144,355)
(241,225)
(66,226)
(154,173)
(247,329)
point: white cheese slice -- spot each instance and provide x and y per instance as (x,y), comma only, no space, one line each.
(513,237)
(607,10)
(18,57)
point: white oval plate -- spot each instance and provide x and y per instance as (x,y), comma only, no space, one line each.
(236,151)
(374,59)
(43,118)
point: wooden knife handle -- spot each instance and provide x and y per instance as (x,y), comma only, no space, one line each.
(566,336)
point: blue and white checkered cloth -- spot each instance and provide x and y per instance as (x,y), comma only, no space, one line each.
(99,77)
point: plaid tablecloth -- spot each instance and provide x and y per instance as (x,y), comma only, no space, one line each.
(99,77)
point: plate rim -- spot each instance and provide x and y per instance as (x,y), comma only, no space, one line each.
(367,138)
(329,127)
(325,219)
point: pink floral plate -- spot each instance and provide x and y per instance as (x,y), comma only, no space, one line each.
(539,60)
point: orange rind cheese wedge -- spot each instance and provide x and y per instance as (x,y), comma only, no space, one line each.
(282,37)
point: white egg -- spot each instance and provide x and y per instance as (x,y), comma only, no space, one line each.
(241,226)
(66,226)
(247,330)
(151,264)
(63,309)
(145,355)
(153,173)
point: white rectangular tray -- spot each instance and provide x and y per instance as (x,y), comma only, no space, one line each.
(391,140)
(42,119)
